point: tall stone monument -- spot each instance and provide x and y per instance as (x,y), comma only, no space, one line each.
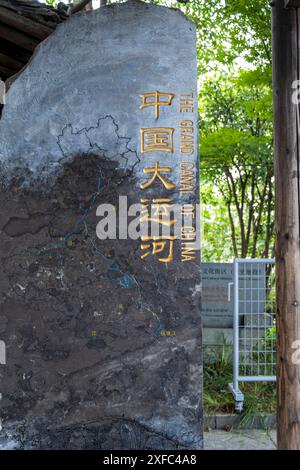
(102,337)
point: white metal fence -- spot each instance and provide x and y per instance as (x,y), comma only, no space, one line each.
(254,353)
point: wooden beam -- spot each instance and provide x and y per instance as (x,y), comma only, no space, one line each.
(292,3)
(11,50)
(21,39)
(76,7)
(26,25)
(286,69)
(4,73)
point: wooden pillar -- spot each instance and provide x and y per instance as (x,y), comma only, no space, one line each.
(286,60)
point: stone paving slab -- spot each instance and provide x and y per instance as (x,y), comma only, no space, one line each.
(250,439)
(226,422)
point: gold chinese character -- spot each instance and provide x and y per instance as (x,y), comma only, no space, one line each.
(168,333)
(157,170)
(161,211)
(157,245)
(156,99)
(155,139)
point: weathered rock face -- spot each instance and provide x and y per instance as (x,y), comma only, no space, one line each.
(103,347)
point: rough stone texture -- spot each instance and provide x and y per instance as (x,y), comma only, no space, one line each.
(87,366)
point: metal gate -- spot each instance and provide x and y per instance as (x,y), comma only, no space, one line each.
(254,353)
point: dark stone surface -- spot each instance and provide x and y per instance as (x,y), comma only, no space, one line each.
(82,325)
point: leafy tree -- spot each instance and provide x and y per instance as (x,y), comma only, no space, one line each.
(236,154)
(216,241)
(229,30)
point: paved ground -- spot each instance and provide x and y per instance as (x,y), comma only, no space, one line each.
(249,439)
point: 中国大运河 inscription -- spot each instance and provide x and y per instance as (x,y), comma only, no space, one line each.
(157,208)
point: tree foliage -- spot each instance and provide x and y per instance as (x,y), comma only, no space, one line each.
(236,156)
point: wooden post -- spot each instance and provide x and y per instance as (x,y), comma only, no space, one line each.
(286,69)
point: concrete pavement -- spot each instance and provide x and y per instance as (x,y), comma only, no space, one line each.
(248,439)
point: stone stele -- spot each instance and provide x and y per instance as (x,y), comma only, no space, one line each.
(103,348)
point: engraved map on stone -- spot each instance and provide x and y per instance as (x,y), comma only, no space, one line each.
(103,346)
